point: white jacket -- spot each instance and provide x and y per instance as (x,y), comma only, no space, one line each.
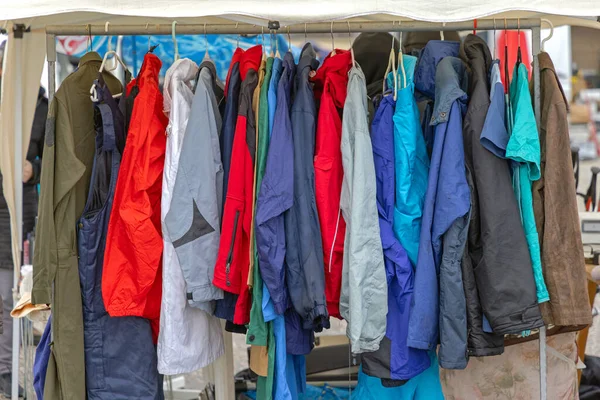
(189,338)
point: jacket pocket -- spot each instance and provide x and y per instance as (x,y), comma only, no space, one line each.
(94,354)
(231,248)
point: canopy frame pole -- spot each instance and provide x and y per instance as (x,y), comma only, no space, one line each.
(223,367)
(535,49)
(18,31)
(319,27)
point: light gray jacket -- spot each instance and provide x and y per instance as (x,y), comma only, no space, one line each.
(363,299)
(193,220)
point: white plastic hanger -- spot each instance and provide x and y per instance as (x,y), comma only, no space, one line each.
(332,41)
(206,55)
(289,39)
(551,32)
(442,31)
(109,47)
(391,66)
(174,36)
(93,91)
(350,43)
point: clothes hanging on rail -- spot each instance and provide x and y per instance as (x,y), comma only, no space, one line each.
(66,173)
(106,338)
(497,272)
(132,276)
(559,232)
(190,208)
(330,84)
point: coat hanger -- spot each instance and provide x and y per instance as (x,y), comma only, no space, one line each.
(475,26)
(264,47)
(237,44)
(305,34)
(350,42)
(518,41)
(88,28)
(109,47)
(401,65)
(506,75)
(495,42)
(206,55)
(551,32)
(272,53)
(173,35)
(332,41)
(289,40)
(391,65)
(442,32)
(93,90)
(277,54)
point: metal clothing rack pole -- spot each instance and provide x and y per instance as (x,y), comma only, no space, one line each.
(224,384)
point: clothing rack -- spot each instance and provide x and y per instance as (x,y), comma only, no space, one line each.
(222,369)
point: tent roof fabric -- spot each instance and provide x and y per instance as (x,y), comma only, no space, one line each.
(39,13)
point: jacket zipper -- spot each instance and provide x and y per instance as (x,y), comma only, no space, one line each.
(231,246)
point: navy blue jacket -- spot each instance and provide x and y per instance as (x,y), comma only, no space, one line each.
(305,272)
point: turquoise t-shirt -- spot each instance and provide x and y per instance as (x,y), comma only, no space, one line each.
(524,148)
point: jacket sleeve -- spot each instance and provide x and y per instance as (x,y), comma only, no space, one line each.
(363,299)
(276,196)
(193,223)
(45,256)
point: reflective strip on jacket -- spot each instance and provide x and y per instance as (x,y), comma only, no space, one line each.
(304,274)
(232,265)
(132,276)
(191,205)
(438,309)
(331,82)
(363,299)
(499,265)
(394,360)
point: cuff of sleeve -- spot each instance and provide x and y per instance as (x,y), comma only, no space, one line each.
(419,344)
(317,319)
(279,303)
(41,296)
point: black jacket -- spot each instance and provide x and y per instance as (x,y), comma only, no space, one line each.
(497,272)
(30,197)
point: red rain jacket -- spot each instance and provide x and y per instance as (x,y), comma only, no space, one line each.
(233,260)
(132,274)
(331,81)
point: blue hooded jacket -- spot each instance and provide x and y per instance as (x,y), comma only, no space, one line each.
(438,308)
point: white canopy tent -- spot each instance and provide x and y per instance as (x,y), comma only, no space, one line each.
(24,57)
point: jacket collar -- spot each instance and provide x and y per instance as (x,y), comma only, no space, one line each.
(432,54)
(250,60)
(547,64)
(308,58)
(92,56)
(332,76)
(183,70)
(450,85)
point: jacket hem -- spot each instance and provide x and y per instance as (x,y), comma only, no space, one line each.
(419,344)
(526,319)
(453,365)
(366,346)
(41,296)
(317,319)
(222,284)
(204,294)
(486,351)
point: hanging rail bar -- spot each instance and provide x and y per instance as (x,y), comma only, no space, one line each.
(319,27)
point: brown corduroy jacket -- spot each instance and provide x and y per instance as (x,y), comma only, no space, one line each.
(556,213)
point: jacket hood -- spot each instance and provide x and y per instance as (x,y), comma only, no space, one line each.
(250,60)
(237,55)
(432,54)
(371,52)
(183,70)
(308,58)
(334,74)
(476,54)
(450,85)
(150,69)
(414,42)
